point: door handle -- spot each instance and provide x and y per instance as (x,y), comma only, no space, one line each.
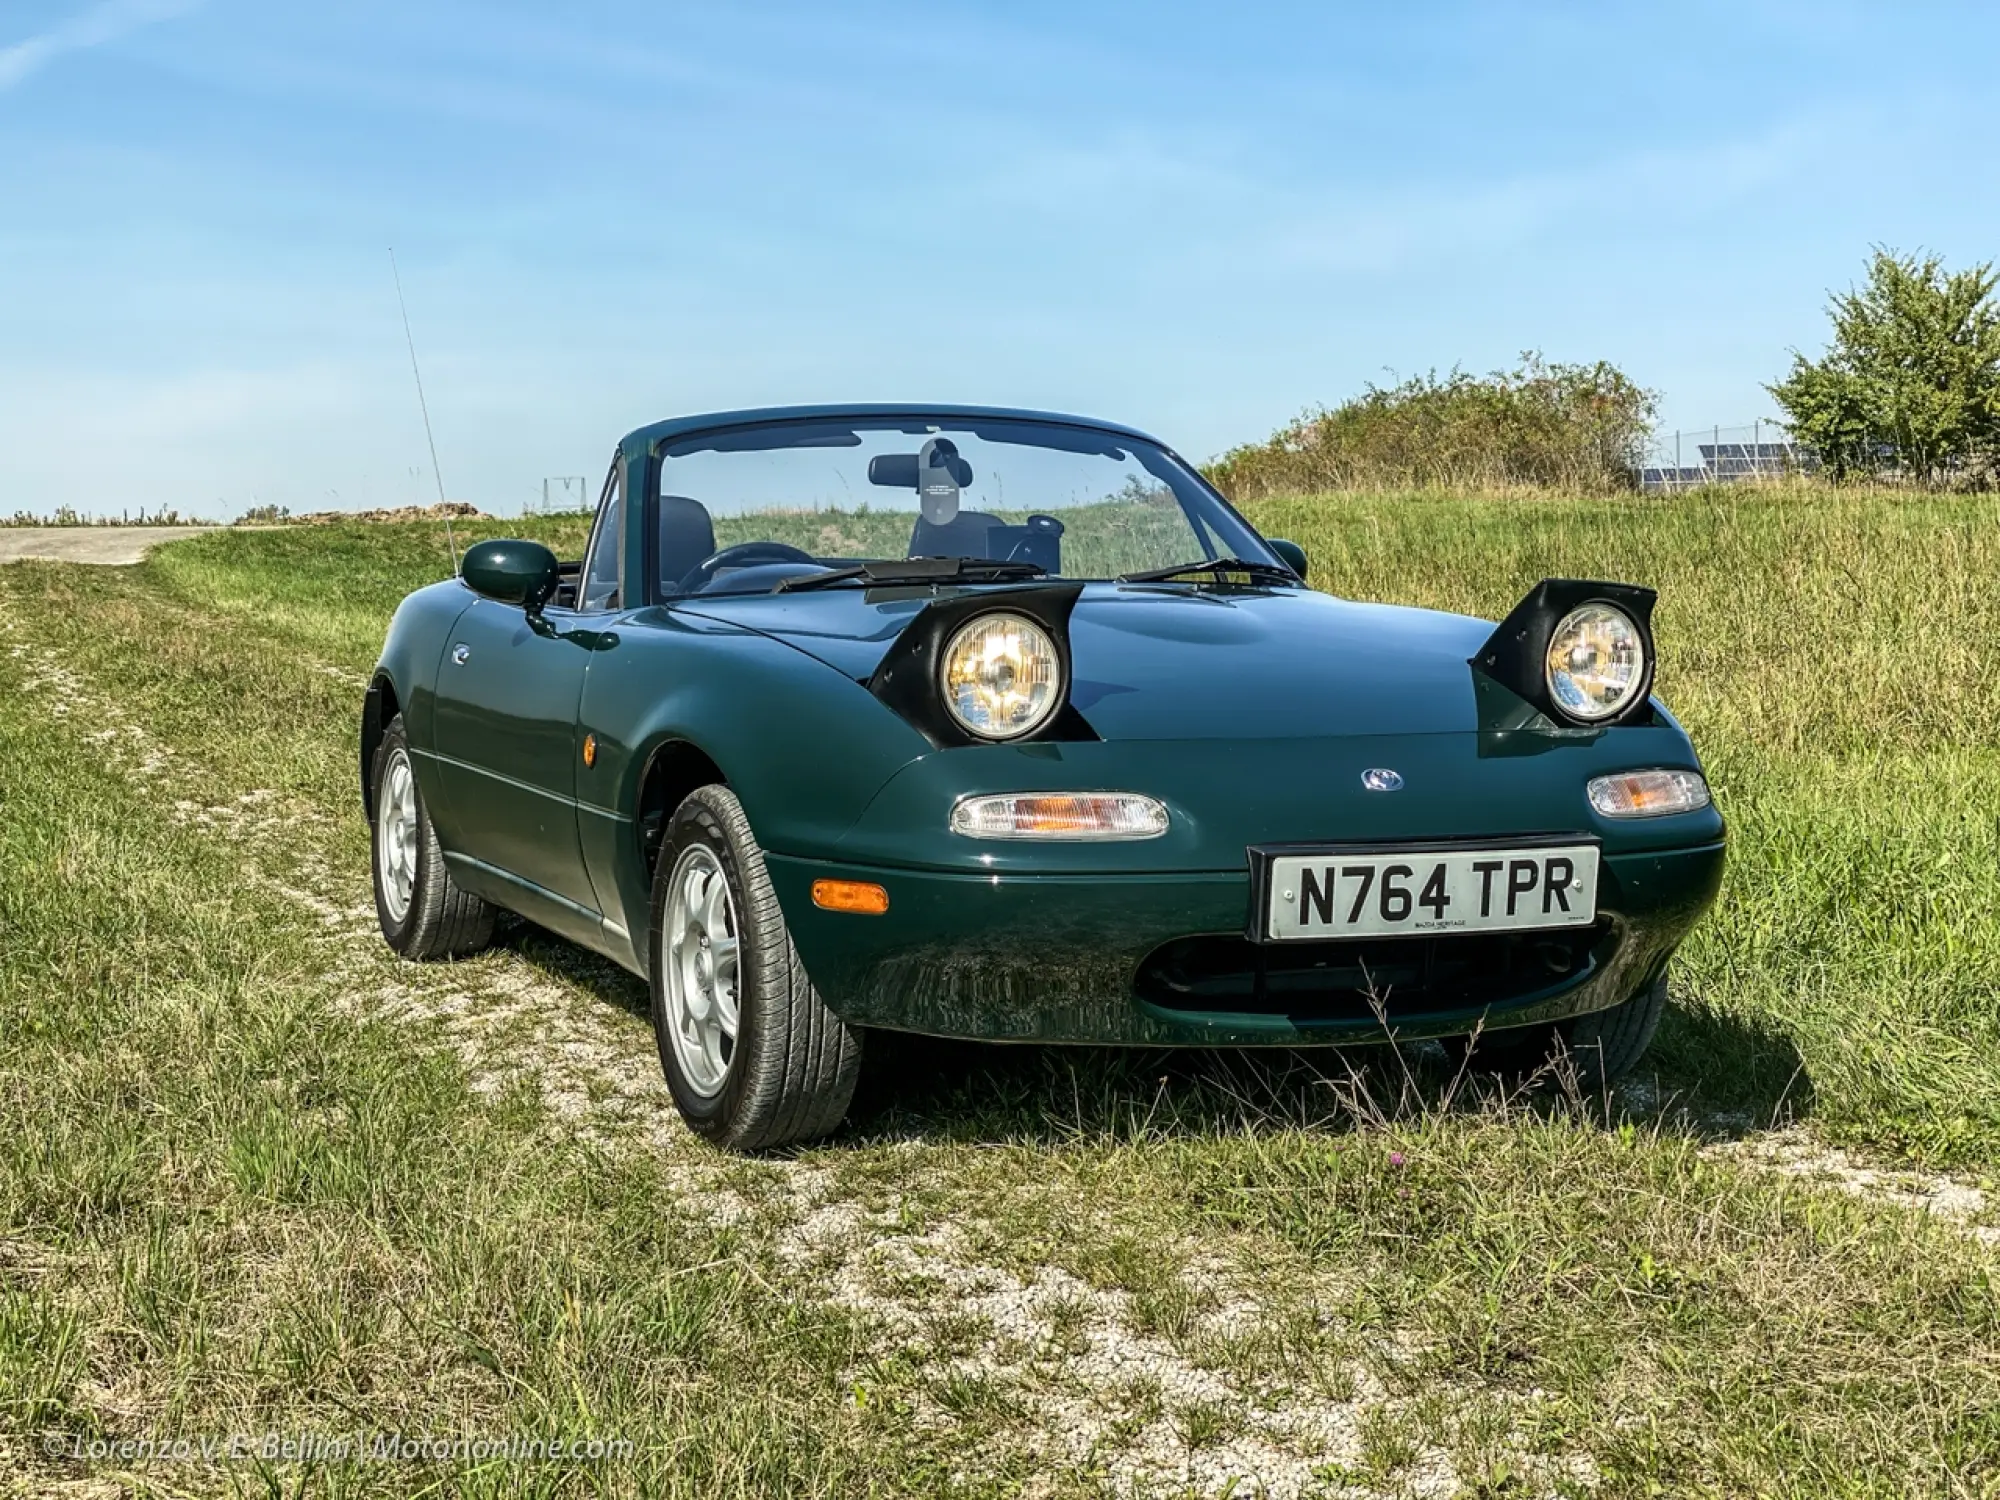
(459,653)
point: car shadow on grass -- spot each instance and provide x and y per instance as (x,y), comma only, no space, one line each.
(1707,1075)
(1732,1077)
(564,962)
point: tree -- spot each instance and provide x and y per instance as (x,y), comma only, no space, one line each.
(1912,378)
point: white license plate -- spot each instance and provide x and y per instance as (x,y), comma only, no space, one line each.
(1437,890)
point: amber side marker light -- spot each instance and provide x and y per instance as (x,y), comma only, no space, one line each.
(850,895)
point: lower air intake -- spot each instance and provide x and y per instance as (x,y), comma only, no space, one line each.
(1405,978)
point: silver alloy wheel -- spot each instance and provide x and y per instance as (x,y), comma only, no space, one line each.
(396,835)
(699,959)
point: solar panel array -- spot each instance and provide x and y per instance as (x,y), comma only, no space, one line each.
(1671,479)
(1724,462)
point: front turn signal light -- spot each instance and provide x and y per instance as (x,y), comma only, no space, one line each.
(1648,794)
(1059,815)
(863,896)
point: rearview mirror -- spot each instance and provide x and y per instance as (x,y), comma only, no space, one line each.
(1291,554)
(512,572)
(899,471)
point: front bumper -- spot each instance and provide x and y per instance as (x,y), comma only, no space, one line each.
(1078,958)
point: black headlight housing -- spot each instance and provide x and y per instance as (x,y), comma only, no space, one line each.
(1516,654)
(907,680)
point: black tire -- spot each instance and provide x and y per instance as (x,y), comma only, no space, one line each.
(791,1069)
(440,920)
(1602,1046)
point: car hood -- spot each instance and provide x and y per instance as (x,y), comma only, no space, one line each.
(1151,662)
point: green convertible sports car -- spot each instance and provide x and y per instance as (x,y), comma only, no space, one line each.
(1005,725)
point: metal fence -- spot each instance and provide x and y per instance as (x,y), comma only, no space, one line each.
(1723,455)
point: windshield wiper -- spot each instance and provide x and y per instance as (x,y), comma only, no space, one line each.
(1216,565)
(917,570)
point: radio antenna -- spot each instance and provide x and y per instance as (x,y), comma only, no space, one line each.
(451,542)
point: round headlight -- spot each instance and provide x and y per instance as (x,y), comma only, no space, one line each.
(1002,678)
(1597,662)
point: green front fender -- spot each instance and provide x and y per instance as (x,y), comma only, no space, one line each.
(803,747)
(405,680)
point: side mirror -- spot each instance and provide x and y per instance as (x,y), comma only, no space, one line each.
(1291,554)
(512,572)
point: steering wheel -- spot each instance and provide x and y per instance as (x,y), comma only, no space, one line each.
(742,555)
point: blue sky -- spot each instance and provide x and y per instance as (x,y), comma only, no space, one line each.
(1198,218)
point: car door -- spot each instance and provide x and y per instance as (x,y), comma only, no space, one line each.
(507,741)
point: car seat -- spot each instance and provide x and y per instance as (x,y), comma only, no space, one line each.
(974,533)
(686,537)
(964,535)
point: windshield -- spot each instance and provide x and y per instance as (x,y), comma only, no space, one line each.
(750,509)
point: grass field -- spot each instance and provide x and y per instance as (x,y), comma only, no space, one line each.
(256,1177)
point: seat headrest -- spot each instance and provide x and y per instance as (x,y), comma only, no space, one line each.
(686,535)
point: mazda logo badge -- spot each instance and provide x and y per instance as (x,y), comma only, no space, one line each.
(1382,780)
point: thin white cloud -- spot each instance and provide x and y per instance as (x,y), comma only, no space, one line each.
(1311,223)
(102,23)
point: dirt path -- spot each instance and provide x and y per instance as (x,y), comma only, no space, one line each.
(114,545)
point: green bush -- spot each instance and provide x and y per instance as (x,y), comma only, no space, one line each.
(1550,426)
(1910,387)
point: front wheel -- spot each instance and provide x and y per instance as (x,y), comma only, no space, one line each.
(753,1057)
(422,910)
(1602,1046)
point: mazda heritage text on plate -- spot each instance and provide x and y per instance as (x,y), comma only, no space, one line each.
(1005,725)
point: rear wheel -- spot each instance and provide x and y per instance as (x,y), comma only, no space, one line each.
(1603,1046)
(422,911)
(753,1057)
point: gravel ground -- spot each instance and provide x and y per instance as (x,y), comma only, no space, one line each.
(117,545)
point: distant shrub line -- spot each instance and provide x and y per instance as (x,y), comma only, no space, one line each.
(1540,425)
(68,515)
(1907,394)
